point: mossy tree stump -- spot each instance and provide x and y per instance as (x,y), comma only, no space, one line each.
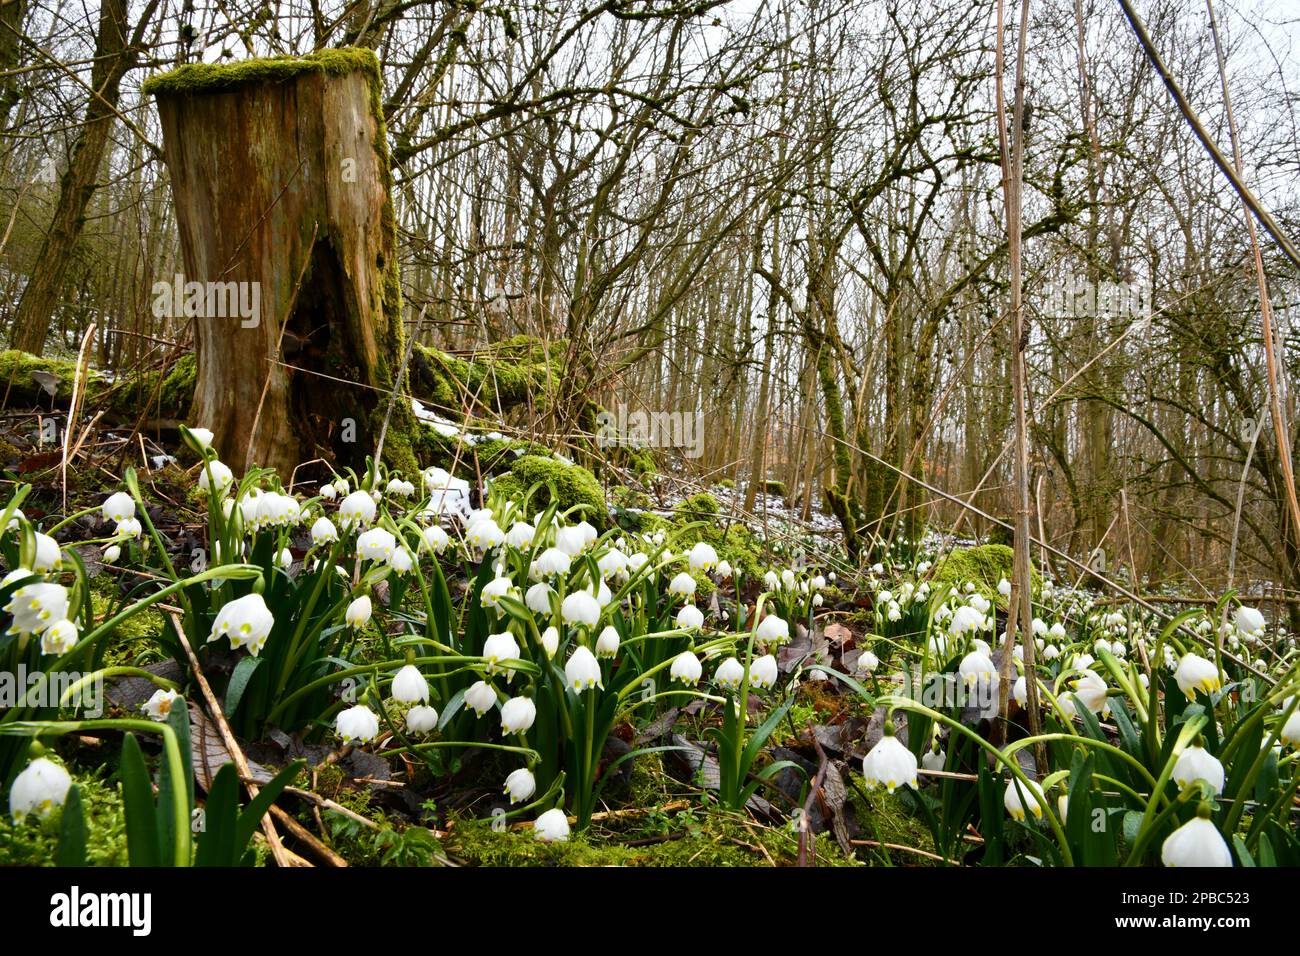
(279,171)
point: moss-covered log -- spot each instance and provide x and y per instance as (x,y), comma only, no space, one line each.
(279,169)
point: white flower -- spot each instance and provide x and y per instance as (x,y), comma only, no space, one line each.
(517,715)
(495,590)
(421,719)
(934,758)
(520,785)
(976,668)
(771,580)
(868,662)
(601,593)
(690,618)
(359,611)
(357,510)
(683,585)
(112,553)
(286,558)
(570,540)
(1004,587)
(1051,652)
(59,638)
(550,641)
(434,538)
(128,528)
(1196,763)
(552,826)
(399,488)
(725,570)
(376,544)
(613,564)
(498,648)
(964,620)
(247,621)
(580,608)
(328,492)
(323,532)
(1196,843)
(480,697)
(41,787)
(1057,631)
(275,510)
(889,763)
(409,686)
(1249,622)
(762,671)
(551,562)
(818,600)
(1090,688)
(202,436)
(118,507)
(686,668)
(730,674)
(582,672)
(36,607)
(1290,733)
(48,557)
(160,704)
(216,477)
(520,535)
(1196,673)
(1039,626)
(1020,691)
(772,631)
(787,579)
(538,598)
(357,723)
(703,557)
(1011,799)
(607,643)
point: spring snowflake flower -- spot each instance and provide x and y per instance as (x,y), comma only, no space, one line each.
(118,507)
(520,535)
(964,620)
(1196,843)
(435,539)
(771,580)
(421,719)
(520,785)
(111,554)
(889,763)
(725,570)
(550,641)
(409,686)
(59,638)
(868,662)
(159,706)
(1051,652)
(357,510)
(976,668)
(41,787)
(686,668)
(1020,691)
(1196,763)
(359,611)
(580,608)
(376,544)
(934,758)
(1196,673)
(1290,733)
(607,643)
(613,564)
(247,621)
(35,607)
(1004,587)
(1090,689)
(690,618)
(582,672)
(498,648)
(323,532)
(202,437)
(1249,622)
(480,697)
(328,492)
(495,590)
(216,477)
(763,672)
(128,528)
(703,557)
(683,585)
(357,723)
(517,715)
(399,488)
(550,563)
(571,540)
(1012,799)
(552,826)
(772,632)
(538,598)
(730,674)
(48,556)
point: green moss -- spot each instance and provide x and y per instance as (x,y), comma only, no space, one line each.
(516,371)
(573,484)
(195,78)
(135,640)
(35,842)
(711,838)
(16,374)
(700,507)
(985,564)
(774,488)
(884,818)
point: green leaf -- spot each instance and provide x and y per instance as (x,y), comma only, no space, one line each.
(243,673)
(142,829)
(217,841)
(72,831)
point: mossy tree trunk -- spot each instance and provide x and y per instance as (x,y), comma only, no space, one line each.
(280,175)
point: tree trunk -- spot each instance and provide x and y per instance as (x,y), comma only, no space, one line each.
(41,295)
(279,170)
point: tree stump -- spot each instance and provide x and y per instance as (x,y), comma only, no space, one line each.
(280,175)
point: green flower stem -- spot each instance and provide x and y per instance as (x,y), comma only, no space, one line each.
(76,686)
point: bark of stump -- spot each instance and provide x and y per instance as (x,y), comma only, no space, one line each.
(279,172)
